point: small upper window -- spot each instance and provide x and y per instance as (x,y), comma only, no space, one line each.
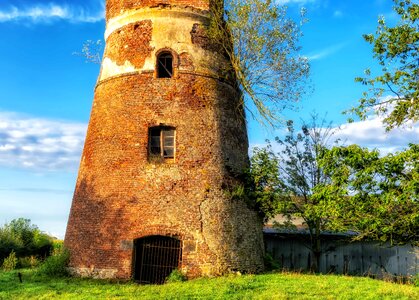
(165,65)
(161,143)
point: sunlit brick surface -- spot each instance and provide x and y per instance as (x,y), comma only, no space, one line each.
(122,195)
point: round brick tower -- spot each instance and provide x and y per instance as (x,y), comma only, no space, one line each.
(166,142)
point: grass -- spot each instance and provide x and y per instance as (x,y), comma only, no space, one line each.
(267,286)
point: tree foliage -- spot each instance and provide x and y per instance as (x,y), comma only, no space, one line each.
(260,186)
(395,92)
(264,187)
(261,42)
(24,238)
(378,197)
(287,180)
(300,172)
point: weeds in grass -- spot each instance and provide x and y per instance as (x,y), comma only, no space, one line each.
(176,276)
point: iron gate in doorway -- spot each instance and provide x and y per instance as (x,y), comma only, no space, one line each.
(155,257)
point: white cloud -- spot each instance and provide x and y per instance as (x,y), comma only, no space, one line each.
(326,52)
(371,133)
(40,144)
(52,12)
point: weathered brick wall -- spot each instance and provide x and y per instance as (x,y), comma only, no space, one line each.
(121,196)
(115,8)
(132,43)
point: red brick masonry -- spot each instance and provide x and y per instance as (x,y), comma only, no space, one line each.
(122,195)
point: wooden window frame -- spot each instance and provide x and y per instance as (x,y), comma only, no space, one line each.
(157,147)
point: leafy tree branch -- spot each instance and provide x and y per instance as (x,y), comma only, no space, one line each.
(397,51)
(261,42)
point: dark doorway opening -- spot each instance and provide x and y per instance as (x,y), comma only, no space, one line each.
(155,257)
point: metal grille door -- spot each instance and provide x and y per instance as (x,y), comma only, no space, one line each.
(155,258)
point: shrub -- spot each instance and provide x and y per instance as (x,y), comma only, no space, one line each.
(176,276)
(28,262)
(57,246)
(10,262)
(270,263)
(56,264)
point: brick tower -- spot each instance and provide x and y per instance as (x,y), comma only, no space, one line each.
(165,142)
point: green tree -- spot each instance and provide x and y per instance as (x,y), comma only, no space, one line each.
(301,173)
(24,238)
(286,181)
(22,230)
(395,92)
(264,58)
(377,197)
(264,187)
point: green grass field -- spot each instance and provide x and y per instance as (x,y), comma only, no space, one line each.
(267,286)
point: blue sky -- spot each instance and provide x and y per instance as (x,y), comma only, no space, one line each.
(46,93)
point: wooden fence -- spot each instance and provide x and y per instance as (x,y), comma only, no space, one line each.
(340,256)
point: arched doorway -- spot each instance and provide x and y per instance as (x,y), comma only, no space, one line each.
(155,257)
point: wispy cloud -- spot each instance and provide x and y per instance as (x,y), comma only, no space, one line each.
(326,52)
(40,144)
(41,13)
(369,133)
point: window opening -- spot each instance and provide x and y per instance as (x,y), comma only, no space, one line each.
(165,65)
(155,257)
(162,142)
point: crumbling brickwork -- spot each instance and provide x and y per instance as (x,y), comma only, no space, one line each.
(122,195)
(131,42)
(115,8)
